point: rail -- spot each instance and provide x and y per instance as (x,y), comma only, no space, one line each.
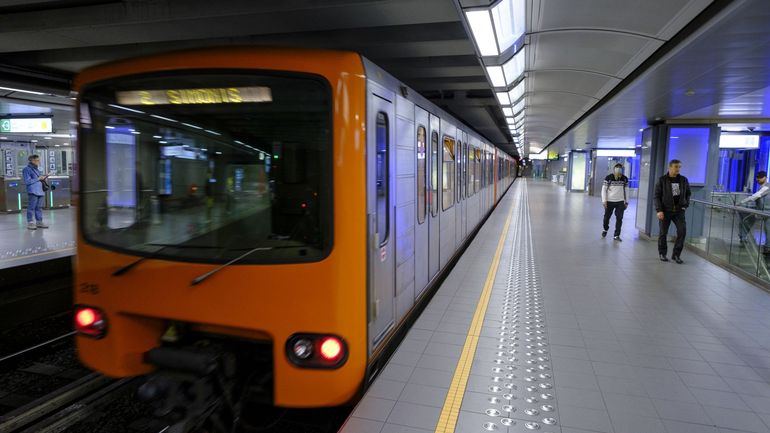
(735,237)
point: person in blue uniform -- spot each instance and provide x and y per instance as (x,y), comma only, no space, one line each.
(35,194)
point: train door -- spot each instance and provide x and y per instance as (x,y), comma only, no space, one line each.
(422,185)
(458,187)
(447,175)
(466,193)
(380,201)
(434,161)
(495,174)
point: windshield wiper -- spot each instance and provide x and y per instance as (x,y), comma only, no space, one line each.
(203,277)
(153,255)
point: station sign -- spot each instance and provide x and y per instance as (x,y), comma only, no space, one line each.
(42,125)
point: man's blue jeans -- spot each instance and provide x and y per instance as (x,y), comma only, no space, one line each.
(35,205)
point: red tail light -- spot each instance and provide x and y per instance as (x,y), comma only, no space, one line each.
(331,348)
(90,321)
(316,350)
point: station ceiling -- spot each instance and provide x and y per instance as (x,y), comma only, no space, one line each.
(579,53)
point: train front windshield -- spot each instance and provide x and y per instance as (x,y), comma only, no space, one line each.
(208,166)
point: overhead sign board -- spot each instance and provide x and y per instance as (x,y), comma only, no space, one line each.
(728,141)
(42,125)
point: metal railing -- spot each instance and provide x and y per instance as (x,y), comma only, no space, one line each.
(731,235)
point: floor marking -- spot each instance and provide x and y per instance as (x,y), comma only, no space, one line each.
(454,399)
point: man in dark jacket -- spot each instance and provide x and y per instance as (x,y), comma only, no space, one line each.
(672,196)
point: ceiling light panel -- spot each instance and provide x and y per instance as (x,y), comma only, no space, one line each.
(507,111)
(514,68)
(503,98)
(517,92)
(496,76)
(519,107)
(509,20)
(480,23)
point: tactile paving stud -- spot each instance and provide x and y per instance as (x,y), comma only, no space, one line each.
(490,426)
(507,422)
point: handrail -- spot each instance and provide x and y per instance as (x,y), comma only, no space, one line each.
(731,207)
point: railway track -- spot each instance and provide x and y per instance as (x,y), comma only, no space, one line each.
(64,407)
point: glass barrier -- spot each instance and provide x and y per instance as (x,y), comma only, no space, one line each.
(733,234)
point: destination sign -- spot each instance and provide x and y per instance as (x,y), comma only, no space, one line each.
(223,95)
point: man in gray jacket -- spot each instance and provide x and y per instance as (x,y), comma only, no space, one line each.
(672,197)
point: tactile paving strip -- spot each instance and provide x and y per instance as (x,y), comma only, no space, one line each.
(21,252)
(521,395)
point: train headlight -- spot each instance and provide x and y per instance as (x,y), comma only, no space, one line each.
(316,350)
(303,348)
(90,321)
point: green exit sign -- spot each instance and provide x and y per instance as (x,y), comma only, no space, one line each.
(5,125)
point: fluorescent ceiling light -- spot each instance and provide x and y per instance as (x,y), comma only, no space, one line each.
(628,153)
(510,20)
(164,118)
(496,76)
(507,111)
(21,91)
(517,92)
(514,68)
(510,120)
(191,126)
(126,108)
(212,132)
(480,23)
(503,98)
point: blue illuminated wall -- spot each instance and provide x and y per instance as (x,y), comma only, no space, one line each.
(691,146)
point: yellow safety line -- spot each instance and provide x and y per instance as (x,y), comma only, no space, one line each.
(454,399)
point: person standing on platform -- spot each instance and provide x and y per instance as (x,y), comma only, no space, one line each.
(615,199)
(35,194)
(672,196)
(747,219)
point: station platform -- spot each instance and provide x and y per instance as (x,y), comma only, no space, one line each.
(21,246)
(544,326)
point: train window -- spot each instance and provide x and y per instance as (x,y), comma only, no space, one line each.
(477,171)
(448,173)
(383,178)
(434,173)
(422,192)
(224,165)
(471,170)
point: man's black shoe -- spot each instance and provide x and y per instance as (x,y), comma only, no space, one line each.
(663,258)
(678,260)
(604,234)
(617,238)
